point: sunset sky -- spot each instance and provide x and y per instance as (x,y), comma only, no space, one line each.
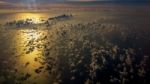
(6,4)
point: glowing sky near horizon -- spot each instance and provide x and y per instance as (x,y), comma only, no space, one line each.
(33,4)
(39,1)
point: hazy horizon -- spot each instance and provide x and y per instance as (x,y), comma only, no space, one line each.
(37,4)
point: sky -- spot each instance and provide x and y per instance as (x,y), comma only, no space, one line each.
(6,4)
(49,1)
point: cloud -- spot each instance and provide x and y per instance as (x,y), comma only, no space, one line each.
(7,5)
(3,2)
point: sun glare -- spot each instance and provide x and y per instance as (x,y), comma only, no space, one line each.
(36,18)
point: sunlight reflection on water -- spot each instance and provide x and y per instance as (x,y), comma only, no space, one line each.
(26,45)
